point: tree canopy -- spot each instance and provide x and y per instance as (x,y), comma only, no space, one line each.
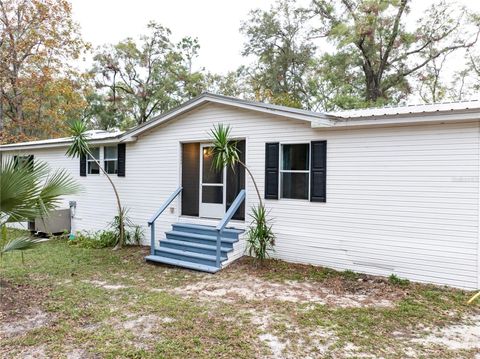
(39,90)
(322,55)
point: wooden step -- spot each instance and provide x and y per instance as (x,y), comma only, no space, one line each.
(181,263)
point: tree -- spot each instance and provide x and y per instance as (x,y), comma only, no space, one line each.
(29,191)
(80,147)
(279,41)
(38,89)
(375,52)
(260,237)
(143,79)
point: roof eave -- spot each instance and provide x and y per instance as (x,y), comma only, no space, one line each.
(35,146)
(404,119)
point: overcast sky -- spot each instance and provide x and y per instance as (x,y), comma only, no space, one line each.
(215,22)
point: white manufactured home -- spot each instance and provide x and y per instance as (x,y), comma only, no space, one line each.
(378,191)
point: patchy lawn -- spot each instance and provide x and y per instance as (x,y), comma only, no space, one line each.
(71,302)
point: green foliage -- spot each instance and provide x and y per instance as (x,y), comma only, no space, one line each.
(376,56)
(395,280)
(224,151)
(280,42)
(31,191)
(95,240)
(138,80)
(79,146)
(260,237)
(28,192)
(133,233)
(18,244)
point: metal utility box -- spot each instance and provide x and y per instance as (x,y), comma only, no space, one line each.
(58,221)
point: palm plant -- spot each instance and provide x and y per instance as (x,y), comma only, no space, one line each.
(260,237)
(225,153)
(28,192)
(80,147)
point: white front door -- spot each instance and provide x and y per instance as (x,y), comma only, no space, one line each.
(212,186)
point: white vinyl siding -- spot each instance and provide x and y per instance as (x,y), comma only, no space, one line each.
(402,200)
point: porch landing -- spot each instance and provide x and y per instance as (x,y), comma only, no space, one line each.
(194,246)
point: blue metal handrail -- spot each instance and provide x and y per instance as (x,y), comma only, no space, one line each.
(226,218)
(151,222)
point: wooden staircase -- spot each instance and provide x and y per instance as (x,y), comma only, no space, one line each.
(194,246)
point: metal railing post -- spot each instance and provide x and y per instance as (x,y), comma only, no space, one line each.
(152,238)
(219,241)
(152,220)
(223,223)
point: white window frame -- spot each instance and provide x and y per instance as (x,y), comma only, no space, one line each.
(281,170)
(109,159)
(99,160)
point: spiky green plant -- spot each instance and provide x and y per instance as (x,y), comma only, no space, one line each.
(80,147)
(260,236)
(226,154)
(28,192)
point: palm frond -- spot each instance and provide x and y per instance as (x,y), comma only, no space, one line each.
(79,146)
(225,152)
(19,244)
(27,192)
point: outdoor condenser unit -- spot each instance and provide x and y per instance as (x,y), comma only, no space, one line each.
(58,221)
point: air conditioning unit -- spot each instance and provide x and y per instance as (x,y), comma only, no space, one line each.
(58,221)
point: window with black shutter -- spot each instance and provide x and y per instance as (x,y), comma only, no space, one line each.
(318,172)
(121,152)
(271,170)
(26,161)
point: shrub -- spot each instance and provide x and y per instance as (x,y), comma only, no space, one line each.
(98,239)
(260,237)
(395,280)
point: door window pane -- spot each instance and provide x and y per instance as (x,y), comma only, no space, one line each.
(209,174)
(295,157)
(212,194)
(294,185)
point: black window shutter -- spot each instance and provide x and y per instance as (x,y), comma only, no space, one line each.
(318,172)
(83,165)
(30,162)
(271,170)
(121,150)
(15,161)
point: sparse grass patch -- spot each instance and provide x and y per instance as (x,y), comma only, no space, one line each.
(114,304)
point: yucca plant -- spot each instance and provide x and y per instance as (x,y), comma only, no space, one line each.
(260,237)
(226,154)
(28,192)
(80,147)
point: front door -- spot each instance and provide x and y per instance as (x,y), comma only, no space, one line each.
(212,186)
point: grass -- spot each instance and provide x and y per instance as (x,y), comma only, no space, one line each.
(114,304)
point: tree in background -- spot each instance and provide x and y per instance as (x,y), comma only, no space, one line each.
(38,89)
(140,80)
(375,55)
(279,41)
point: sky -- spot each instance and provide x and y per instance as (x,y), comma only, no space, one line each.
(216,23)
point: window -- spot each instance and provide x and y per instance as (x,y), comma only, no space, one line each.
(110,159)
(92,166)
(23,161)
(295,170)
